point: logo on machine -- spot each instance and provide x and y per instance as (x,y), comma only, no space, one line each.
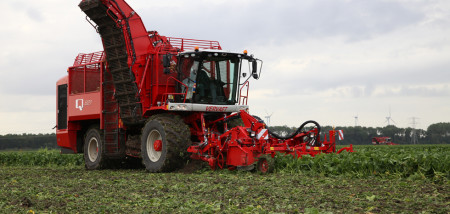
(80,103)
(216,108)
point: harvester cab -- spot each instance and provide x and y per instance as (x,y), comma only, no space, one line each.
(211,80)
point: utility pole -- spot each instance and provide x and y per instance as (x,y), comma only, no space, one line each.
(414,138)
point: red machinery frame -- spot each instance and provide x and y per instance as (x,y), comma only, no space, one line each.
(244,145)
(84,97)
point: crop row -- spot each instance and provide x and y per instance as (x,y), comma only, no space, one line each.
(402,161)
(42,157)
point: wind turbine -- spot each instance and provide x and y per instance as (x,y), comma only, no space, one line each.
(389,118)
(356,120)
(268,118)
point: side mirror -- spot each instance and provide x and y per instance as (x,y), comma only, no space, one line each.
(255,69)
(166,60)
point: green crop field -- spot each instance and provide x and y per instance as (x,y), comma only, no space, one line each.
(375,179)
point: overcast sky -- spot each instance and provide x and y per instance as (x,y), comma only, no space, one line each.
(325,60)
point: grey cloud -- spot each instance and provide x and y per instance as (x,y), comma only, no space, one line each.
(364,83)
(421,91)
(369,89)
(235,25)
(32,11)
(285,20)
(324,18)
(34,14)
(33,73)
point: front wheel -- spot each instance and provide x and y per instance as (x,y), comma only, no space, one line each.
(93,149)
(164,142)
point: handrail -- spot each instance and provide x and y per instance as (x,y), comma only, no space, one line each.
(167,88)
(187,44)
(145,74)
(83,59)
(245,98)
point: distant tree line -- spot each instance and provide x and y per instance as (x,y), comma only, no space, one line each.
(438,133)
(27,141)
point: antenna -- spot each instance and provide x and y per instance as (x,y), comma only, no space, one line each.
(268,118)
(414,138)
(389,118)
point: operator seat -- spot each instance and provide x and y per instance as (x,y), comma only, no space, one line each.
(203,86)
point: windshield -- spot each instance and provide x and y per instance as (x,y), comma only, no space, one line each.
(210,78)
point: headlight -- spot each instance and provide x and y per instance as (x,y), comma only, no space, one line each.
(179,107)
(182,107)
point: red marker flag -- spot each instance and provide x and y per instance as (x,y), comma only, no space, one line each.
(341,134)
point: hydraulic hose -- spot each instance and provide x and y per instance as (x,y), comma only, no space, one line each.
(296,132)
(289,136)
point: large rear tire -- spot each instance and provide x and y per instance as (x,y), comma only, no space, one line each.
(94,157)
(164,142)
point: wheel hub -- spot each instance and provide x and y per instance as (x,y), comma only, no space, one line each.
(263,165)
(154,145)
(93,149)
(157,145)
